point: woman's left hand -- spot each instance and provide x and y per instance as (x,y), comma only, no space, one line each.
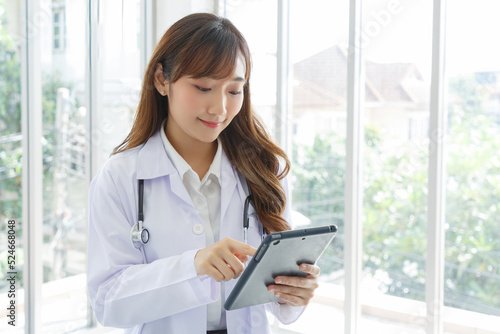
(296,290)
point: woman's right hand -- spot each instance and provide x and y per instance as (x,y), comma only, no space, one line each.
(223,260)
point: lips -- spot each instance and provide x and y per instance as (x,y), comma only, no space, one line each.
(211,124)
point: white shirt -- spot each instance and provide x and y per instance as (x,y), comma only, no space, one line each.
(206,197)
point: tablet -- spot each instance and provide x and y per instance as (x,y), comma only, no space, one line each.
(280,253)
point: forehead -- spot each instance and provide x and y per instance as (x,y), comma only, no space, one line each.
(229,72)
(240,69)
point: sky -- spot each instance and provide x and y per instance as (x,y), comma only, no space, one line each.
(401,31)
(393,31)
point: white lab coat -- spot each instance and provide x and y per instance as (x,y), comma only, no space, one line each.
(156,289)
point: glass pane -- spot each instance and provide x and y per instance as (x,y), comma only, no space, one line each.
(318,121)
(11,150)
(396,40)
(64,148)
(472,271)
(261,39)
(119,74)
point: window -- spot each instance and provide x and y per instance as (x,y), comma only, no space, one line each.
(262,42)
(59,187)
(319,96)
(301,89)
(117,76)
(472,269)
(396,43)
(59,26)
(64,147)
(11,153)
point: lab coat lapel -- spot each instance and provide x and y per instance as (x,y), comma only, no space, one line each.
(153,162)
(178,188)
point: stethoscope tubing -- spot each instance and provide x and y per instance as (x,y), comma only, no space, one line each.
(138,230)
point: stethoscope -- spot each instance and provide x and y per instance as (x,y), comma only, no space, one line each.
(140,235)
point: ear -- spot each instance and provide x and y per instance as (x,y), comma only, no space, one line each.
(160,82)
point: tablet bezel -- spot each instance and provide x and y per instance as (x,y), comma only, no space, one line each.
(298,246)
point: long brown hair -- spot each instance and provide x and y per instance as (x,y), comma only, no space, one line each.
(205,45)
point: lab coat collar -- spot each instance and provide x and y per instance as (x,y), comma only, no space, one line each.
(152,161)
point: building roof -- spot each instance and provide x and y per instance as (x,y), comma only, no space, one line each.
(321,80)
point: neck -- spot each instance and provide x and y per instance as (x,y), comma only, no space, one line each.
(198,155)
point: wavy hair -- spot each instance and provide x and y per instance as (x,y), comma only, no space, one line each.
(205,45)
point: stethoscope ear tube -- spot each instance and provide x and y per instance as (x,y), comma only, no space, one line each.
(245,210)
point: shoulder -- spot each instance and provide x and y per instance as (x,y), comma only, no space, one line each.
(118,168)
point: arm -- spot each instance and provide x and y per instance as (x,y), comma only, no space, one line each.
(125,290)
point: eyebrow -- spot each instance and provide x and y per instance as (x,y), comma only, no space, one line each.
(238,79)
(235,79)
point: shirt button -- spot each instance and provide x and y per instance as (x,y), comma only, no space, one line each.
(198,228)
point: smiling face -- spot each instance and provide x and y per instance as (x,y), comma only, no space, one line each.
(201,108)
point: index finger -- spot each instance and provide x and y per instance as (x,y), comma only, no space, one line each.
(241,248)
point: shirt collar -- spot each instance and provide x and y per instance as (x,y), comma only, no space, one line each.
(182,166)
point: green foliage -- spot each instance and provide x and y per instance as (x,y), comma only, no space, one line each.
(10,84)
(11,149)
(10,124)
(395,204)
(473,202)
(319,189)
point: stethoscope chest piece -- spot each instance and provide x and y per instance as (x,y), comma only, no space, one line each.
(139,235)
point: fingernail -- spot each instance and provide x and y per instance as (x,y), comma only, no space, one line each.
(303,267)
(277,294)
(272,288)
(279,280)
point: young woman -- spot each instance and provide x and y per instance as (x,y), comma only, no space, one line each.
(200,151)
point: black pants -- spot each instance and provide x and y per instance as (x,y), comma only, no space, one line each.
(221,331)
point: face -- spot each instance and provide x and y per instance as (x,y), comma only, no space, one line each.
(200,109)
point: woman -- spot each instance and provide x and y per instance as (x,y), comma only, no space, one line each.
(200,150)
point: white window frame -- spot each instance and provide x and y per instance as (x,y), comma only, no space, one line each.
(435,261)
(31,124)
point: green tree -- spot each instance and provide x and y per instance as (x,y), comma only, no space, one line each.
(318,191)
(10,124)
(10,143)
(473,200)
(395,203)
(10,135)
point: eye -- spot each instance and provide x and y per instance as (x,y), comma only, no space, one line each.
(235,92)
(202,89)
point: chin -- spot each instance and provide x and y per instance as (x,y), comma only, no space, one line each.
(208,139)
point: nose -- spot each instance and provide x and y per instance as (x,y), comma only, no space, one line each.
(218,105)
